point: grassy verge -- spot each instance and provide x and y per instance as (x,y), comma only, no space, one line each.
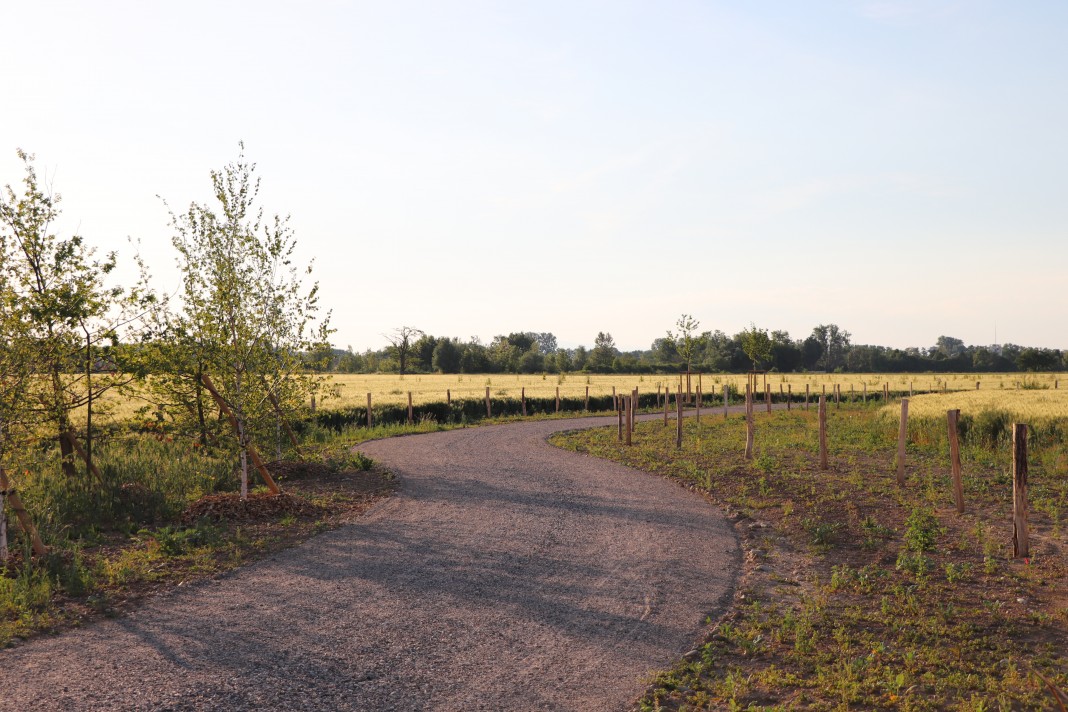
(858,593)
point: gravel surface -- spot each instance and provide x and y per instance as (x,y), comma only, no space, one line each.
(505,575)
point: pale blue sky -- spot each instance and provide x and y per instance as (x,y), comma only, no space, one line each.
(898,168)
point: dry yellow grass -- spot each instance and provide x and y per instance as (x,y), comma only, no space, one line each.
(352,389)
(1023,405)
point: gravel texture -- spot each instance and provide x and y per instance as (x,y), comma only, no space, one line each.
(505,575)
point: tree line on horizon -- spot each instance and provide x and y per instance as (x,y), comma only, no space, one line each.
(828,348)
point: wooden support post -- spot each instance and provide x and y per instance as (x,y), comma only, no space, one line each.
(77,447)
(633,407)
(823,432)
(657,395)
(910,389)
(252,452)
(1021,548)
(902,437)
(558,399)
(749,426)
(629,401)
(789,395)
(523,400)
(23,516)
(977,385)
(313,403)
(806,396)
(954,458)
(587,406)
(615,401)
(411,421)
(767,396)
(852,397)
(837,396)
(285,422)
(678,419)
(864,395)
(726,399)
(698,402)
(368,410)
(619,418)
(886,393)
(448,397)
(489,411)
(667,399)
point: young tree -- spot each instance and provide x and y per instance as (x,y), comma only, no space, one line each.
(245,314)
(59,314)
(686,344)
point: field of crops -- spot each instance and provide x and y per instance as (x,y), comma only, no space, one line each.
(352,389)
(1022,406)
(390,389)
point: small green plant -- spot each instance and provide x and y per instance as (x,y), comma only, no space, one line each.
(921,530)
(821,532)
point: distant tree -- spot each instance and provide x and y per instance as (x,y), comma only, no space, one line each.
(756,343)
(546,342)
(834,344)
(949,346)
(785,354)
(402,342)
(579,358)
(423,352)
(1032,359)
(446,357)
(564,361)
(531,361)
(604,352)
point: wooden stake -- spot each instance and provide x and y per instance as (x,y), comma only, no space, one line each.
(789,395)
(886,393)
(410,420)
(285,423)
(615,402)
(1021,548)
(667,398)
(806,396)
(977,385)
(313,403)
(749,435)
(23,516)
(698,401)
(823,432)
(448,397)
(252,452)
(678,419)
(558,399)
(587,406)
(633,407)
(864,396)
(902,437)
(767,396)
(489,412)
(629,417)
(523,400)
(619,418)
(77,447)
(954,459)
(726,399)
(368,410)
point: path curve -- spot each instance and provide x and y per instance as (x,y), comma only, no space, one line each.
(505,575)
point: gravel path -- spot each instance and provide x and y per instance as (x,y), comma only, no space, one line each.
(505,575)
